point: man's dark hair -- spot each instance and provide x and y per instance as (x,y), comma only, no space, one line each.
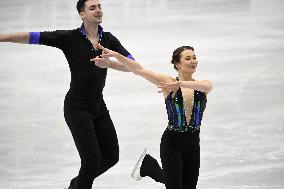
(81,5)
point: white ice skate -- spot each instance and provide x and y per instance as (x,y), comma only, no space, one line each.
(136,170)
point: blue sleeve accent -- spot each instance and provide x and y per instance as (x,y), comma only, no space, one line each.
(34,38)
(130,57)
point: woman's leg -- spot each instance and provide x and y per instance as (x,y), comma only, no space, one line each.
(151,168)
(172,161)
(191,164)
(171,158)
(171,174)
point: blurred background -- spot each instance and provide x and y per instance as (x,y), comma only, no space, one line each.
(240,47)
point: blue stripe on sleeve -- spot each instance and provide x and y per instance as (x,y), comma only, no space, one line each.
(130,57)
(34,38)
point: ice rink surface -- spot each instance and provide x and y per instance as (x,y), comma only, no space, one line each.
(240,47)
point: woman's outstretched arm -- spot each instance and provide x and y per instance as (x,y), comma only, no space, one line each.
(133,66)
(107,63)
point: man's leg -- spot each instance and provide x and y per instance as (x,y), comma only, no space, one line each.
(81,126)
(107,141)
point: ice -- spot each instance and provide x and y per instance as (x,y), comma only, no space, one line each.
(239,44)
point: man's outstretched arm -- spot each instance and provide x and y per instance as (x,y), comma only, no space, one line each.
(19,37)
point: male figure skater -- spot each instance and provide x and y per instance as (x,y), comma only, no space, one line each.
(85,111)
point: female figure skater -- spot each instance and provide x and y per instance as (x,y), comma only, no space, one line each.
(185,100)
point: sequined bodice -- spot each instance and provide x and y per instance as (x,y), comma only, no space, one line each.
(176,111)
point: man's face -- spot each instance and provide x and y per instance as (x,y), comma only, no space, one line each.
(92,12)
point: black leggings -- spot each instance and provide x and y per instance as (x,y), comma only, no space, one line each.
(95,138)
(180,156)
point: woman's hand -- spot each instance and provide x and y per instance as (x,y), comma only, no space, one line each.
(107,53)
(101,62)
(173,86)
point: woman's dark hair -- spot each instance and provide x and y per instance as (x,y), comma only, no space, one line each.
(81,5)
(176,54)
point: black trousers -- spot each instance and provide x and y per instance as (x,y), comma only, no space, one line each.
(180,157)
(95,138)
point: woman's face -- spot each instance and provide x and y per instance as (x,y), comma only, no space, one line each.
(188,61)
